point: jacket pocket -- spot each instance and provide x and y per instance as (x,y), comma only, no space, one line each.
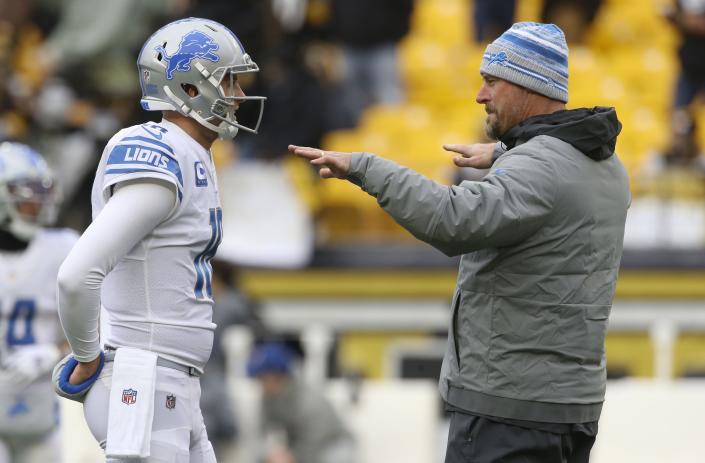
(548,352)
(453,333)
(596,319)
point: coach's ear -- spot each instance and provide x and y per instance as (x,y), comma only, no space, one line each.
(61,374)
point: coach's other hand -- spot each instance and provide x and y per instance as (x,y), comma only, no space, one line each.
(477,155)
(330,164)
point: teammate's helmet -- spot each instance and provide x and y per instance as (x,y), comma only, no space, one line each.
(28,196)
(201,53)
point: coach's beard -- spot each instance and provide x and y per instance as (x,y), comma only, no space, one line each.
(492,128)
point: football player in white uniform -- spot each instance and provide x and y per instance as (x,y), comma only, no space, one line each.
(146,255)
(30,334)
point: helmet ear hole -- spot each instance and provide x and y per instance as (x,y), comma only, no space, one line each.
(190,90)
(159,55)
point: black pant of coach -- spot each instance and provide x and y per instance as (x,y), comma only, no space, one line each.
(481,439)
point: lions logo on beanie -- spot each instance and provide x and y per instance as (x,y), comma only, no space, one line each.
(531,55)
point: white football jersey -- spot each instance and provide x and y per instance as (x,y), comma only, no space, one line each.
(28,317)
(159,296)
(28,310)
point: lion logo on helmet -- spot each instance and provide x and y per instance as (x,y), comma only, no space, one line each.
(193,45)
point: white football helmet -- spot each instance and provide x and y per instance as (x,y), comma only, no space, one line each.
(28,195)
(201,53)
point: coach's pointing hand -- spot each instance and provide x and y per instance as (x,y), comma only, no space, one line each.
(478,155)
(330,164)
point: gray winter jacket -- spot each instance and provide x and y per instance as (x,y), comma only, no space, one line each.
(541,241)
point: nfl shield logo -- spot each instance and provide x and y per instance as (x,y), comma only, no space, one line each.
(170,401)
(129,396)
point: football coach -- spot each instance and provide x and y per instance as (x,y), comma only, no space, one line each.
(541,240)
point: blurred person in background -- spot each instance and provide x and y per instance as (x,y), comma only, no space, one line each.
(295,61)
(89,88)
(300,104)
(145,258)
(300,424)
(688,17)
(524,373)
(99,38)
(574,17)
(683,150)
(68,82)
(369,31)
(20,37)
(30,333)
(491,18)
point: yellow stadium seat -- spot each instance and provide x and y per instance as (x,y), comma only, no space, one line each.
(699,112)
(365,353)
(630,353)
(445,21)
(395,121)
(528,10)
(689,355)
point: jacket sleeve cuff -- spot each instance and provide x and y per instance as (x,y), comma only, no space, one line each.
(499,149)
(359,163)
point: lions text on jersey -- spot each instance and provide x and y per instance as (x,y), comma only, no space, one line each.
(159,296)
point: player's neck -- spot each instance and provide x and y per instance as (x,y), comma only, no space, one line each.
(202,135)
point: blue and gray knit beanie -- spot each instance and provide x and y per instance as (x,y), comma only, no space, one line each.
(531,55)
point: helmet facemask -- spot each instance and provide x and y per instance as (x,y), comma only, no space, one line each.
(225,107)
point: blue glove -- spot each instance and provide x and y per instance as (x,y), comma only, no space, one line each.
(62,373)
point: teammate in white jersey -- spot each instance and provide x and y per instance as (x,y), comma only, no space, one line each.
(30,334)
(146,255)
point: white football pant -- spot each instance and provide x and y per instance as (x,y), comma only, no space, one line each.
(178,432)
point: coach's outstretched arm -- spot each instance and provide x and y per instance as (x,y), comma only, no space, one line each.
(508,205)
(337,164)
(133,211)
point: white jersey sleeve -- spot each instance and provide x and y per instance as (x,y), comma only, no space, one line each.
(102,245)
(140,152)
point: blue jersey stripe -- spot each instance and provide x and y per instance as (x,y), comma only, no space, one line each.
(149,140)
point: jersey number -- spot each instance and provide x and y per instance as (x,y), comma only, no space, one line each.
(202,262)
(154,130)
(19,325)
